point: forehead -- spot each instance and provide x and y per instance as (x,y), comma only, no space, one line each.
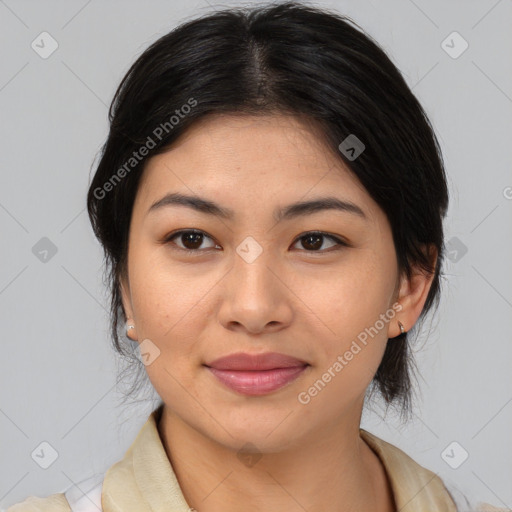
(241,157)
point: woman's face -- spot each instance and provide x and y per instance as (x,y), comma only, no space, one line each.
(253,282)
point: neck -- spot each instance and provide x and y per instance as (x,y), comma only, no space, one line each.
(332,471)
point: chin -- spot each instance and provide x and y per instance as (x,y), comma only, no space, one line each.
(268,433)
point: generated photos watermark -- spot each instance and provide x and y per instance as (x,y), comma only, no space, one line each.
(137,156)
(304,397)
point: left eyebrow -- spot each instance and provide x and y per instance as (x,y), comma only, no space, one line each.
(303,208)
(294,210)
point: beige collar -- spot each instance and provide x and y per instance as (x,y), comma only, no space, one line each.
(414,487)
(144,481)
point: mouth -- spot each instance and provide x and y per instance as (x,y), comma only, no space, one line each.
(257,382)
(256,374)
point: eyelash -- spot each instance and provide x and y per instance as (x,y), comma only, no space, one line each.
(333,238)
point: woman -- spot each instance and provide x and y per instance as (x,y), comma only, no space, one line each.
(270,200)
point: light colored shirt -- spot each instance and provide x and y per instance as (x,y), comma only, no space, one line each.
(144,481)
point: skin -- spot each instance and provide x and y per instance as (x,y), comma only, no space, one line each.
(294,299)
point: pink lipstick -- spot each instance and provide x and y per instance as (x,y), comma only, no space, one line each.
(256,374)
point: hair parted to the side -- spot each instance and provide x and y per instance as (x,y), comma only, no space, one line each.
(287,58)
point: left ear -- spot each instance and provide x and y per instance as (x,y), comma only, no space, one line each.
(413,292)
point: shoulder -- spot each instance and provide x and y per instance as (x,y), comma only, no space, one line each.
(416,487)
(464,504)
(487,507)
(53,503)
(85,496)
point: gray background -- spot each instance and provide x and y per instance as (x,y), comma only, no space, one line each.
(58,371)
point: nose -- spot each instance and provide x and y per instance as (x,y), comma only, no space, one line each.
(255,297)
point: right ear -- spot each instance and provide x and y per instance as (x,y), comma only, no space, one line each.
(126,299)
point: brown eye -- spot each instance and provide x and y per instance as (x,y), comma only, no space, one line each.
(191,240)
(313,241)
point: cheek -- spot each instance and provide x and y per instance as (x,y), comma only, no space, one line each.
(170,309)
(169,305)
(348,307)
(348,342)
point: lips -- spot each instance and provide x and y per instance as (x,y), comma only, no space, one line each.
(256,374)
(241,361)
